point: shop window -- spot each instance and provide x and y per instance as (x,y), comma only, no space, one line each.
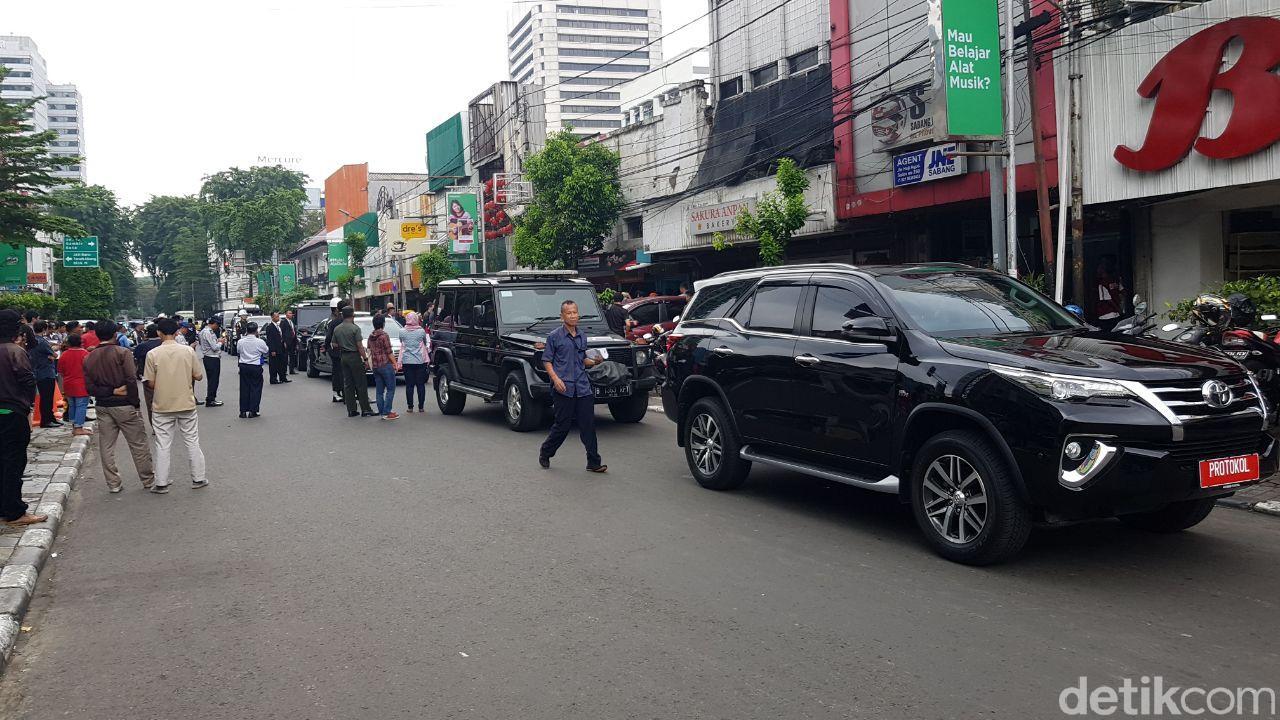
(1253,243)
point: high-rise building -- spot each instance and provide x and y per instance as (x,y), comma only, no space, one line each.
(581,52)
(61,110)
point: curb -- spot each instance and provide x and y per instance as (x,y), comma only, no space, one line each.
(19,577)
(1266,507)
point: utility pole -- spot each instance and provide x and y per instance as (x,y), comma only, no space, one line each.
(1037,134)
(1010,171)
(1077,168)
(994,175)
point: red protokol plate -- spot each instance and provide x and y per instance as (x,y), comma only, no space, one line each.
(1228,471)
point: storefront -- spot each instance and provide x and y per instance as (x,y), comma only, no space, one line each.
(1187,191)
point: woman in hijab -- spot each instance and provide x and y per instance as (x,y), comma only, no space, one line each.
(415,345)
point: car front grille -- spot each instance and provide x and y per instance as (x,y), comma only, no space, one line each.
(1185,398)
(626,355)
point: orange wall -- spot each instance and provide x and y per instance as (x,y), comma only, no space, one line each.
(347,189)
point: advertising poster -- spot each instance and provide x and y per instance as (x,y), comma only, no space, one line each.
(463,223)
(966,46)
(337,261)
(13,265)
(287,277)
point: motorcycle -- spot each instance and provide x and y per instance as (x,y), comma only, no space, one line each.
(1232,335)
(1140,323)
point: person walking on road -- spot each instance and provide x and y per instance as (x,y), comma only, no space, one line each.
(253,354)
(43,364)
(572,400)
(171,368)
(335,357)
(290,331)
(415,346)
(209,348)
(17,394)
(352,361)
(277,363)
(151,341)
(71,368)
(112,379)
(383,364)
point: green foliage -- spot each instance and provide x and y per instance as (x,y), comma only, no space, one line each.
(85,292)
(26,176)
(297,295)
(1036,281)
(357,248)
(258,210)
(576,201)
(719,241)
(47,305)
(96,209)
(606,296)
(158,222)
(778,215)
(434,268)
(312,223)
(1264,291)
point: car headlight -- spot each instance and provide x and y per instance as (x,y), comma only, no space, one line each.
(642,356)
(1062,387)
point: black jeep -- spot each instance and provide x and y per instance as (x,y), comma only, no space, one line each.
(488,334)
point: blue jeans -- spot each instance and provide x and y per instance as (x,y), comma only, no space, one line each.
(384,381)
(77,407)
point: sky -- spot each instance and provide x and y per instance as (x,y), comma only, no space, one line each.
(175,90)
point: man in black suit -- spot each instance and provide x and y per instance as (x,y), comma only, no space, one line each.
(290,332)
(277,363)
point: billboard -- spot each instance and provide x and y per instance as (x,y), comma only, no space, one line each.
(966,49)
(463,222)
(13,265)
(337,261)
(287,277)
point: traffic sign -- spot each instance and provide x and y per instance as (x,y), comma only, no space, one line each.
(80,252)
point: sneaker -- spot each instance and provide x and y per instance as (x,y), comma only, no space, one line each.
(160,489)
(198,485)
(391,416)
(214,403)
(114,490)
(254,415)
(545,462)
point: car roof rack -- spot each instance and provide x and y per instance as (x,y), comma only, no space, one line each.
(506,276)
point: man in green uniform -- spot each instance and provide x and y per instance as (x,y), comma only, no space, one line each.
(349,342)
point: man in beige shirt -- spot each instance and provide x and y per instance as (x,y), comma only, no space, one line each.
(170,370)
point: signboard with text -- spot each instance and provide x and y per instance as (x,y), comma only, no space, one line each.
(903,118)
(37,278)
(287,277)
(966,45)
(80,252)
(931,163)
(13,265)
(407,236)
(718,218)
(338,255)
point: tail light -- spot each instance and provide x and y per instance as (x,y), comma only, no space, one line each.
(1236,338)
(672,339)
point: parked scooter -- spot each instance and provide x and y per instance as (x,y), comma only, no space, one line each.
(1227,325)
(1139,323)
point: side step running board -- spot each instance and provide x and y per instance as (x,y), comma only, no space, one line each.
(888,484)
(486,395)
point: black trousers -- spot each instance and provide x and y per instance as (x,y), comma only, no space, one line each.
(212,376)
(335,362)
(570,411)
(250,388)
(415,379)
(292,351)
(45,388)
(278,366)
(15,433)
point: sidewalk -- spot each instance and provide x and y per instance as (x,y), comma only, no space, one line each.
(53,465)
(1263,497)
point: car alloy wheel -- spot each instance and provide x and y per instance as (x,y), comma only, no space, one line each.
(442,390)
(955,499)
(514,405)
(707,444)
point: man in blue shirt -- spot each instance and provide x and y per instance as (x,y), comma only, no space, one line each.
(572,400)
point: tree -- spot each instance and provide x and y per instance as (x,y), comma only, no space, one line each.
(434,267)
(158,223)
(96,209)
(47,305)
(86,293)
(357,248)
(258,210)
(191,283)
(778,215)
(26,176)
(312,223)
(576,202)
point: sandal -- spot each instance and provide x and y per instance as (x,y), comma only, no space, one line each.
(27,519)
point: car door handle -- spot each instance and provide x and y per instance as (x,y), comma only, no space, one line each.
(722,350)
(807,360)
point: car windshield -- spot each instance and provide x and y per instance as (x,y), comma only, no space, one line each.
(525,306)
(966,304)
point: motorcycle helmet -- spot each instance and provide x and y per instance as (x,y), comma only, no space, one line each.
(1075,310)
(334,302)
(1210,310)
(1243,311)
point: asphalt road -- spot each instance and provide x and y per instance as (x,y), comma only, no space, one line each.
(427,568)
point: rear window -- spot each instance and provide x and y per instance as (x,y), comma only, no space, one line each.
(715,301)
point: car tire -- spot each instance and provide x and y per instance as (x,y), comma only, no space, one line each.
(630,409)
(449,402)
(1171,518)
(303,360)
(943,496)
(312,370)
(522,410)
(708,430)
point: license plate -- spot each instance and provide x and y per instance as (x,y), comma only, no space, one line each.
(614,391)
(1229,471)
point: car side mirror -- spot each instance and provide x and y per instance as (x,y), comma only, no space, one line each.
(871,328)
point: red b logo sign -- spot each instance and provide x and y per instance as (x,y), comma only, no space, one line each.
(1184,80)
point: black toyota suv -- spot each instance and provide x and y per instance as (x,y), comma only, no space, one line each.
(964,392)
(489,332)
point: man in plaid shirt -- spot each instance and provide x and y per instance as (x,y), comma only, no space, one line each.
(383,366)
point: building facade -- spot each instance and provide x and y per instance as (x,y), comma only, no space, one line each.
(61,110)
(581,52)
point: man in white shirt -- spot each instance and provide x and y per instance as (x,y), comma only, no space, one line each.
(209,348)
(253,353)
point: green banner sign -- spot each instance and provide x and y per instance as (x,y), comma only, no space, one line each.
(337,261)
(367,225)
(13,265)
(464,224)
(287,277)
(263,279)
(969,58)
(80,252)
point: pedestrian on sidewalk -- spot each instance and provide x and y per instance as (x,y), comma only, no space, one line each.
(71,367)
(277,363)
(17,395)
(415,346)
(335,357)
(572,400)
(111,378)
(290,330)
(383,364)
(210,350)
(43,364)
(353,360)
(253,355)
(171,368)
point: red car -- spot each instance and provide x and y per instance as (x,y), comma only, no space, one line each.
(647,312)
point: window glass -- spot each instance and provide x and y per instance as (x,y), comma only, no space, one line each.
(729,88)
(715,301)
(486,320)
(835,306)
(802,61)
(444,309)
(972,304)
(764,75)
(646,314)
(773,309)
(464,309)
